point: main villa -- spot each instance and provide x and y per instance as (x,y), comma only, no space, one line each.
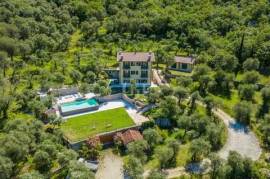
(135,66)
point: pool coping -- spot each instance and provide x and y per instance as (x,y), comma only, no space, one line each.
(78,111)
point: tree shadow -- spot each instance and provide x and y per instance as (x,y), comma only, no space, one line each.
(238,127)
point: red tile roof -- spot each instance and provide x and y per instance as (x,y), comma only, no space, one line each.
(136,56)
(128,136)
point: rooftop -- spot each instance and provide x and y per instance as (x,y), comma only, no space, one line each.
(188,60)
(129,136)
(136,56)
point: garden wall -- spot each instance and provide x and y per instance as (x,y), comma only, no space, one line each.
(78,111)
(109,97)
(105,138)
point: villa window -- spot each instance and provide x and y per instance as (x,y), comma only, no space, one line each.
(184,66)
(126,74)
(134,72)
(144,65)
(174,65)
(144,74)
(126,65)
(141,81)
(132,63)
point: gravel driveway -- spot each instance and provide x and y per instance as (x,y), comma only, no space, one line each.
(240,138)
(110,167)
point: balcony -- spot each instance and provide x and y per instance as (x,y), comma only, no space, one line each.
(144,67)
(144,74)
(126,66)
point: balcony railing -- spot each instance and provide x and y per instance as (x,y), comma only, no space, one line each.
(126,75)
(126,66)
(144,67)
(144,75)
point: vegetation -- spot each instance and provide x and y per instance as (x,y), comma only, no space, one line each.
(50,43)
(30,151)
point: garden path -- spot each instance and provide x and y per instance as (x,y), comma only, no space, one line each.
(110,167)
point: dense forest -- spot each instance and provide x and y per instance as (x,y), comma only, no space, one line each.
(50,43)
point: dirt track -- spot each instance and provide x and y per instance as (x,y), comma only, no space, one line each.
(111,167)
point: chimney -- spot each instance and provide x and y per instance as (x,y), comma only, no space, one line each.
(120,56)
(149,56)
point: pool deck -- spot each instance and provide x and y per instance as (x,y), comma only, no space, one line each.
(137,117)
(73,97)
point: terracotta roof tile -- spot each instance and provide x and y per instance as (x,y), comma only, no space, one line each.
(129,136)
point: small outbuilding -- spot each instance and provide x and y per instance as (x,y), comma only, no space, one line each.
(128,136)
(185,64)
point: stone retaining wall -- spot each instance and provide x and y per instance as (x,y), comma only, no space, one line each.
(109,97)
(78,111)
(105,138)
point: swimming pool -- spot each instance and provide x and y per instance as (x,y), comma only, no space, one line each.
(78,106)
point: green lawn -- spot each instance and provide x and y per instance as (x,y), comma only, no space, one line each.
(81,127)
(180,73)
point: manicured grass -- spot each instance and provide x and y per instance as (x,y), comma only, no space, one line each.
(180,73)
(81,127)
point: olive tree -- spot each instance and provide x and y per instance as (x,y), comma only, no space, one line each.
(199,148)
(42,161)
(251,64)
(6,167)
(79,170)
(133,167)
(181,93)
(164,155)
(246,91)
(155,174)
(138,149)
(242,111)
(32,175)
(4,62)
(152,137)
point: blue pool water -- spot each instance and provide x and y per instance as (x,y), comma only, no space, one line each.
(77,105)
